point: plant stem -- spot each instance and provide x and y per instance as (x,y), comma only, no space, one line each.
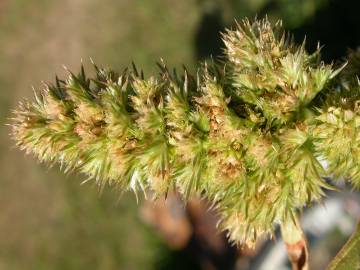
(296,244)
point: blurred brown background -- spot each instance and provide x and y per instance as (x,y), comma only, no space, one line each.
(49,221)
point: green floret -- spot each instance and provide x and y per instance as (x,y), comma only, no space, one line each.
(247,132)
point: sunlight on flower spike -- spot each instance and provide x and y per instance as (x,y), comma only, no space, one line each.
(246,133)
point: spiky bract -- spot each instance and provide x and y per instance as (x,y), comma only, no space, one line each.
(246,133)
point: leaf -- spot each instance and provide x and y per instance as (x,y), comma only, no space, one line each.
(349,256)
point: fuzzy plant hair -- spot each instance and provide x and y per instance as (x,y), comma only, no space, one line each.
(255,132)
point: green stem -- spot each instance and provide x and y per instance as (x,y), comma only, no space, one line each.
(296,244)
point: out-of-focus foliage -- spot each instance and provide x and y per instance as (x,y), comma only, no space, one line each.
(246,133)
(294,13)
(349,256)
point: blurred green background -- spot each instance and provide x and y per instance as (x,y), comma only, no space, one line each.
(50,221)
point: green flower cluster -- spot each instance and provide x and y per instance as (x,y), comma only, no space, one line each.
(246,132)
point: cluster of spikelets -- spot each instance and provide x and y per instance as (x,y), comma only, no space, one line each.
(247,132)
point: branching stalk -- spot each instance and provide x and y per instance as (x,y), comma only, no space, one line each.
(296,244)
